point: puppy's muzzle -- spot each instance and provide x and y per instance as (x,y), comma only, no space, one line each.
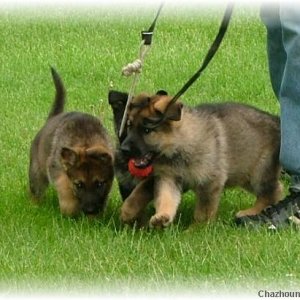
(130,147)
(92,205)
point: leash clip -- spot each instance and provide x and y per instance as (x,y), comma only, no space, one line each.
(147,37)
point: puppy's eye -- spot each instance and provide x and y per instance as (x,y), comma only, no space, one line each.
(129,124)
(146,130)
(99,184)
(79,185)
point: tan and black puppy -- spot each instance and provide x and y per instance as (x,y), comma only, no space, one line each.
(73,152)
(206,149)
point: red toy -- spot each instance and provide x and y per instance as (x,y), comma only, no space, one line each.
(139,172)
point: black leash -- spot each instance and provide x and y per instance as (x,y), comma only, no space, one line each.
(147,34)
(210,54)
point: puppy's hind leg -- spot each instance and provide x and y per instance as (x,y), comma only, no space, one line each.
(269,194)
(265,184)
(38,182)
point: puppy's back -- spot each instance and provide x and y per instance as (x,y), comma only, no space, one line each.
(243,120)
(75,128)
(252,136)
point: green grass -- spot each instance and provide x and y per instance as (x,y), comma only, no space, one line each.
(40,250)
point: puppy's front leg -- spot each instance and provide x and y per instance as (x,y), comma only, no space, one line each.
(168,196)
(69,205)
(137,201)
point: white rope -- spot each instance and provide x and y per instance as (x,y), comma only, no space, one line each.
(134,68)
(131,68)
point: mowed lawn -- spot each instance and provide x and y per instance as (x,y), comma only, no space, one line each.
(42,251)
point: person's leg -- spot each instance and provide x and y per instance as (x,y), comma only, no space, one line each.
(275,50)
(283,38)
(289,95)
(283,47)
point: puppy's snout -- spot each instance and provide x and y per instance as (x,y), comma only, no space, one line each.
(127,147)
(133,145)
(91,209)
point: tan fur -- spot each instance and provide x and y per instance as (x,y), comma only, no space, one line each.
(205,149)
(68,203)
(135,204)
(166,203)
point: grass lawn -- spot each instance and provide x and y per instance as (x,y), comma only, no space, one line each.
(42,251)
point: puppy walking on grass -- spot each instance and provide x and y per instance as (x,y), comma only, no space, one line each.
(206,149)
(73,152)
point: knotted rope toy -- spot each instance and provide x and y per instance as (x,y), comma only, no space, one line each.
(131,68)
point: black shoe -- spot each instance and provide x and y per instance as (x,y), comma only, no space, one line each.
(275,216)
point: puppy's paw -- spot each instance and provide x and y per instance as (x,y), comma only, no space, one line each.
(127,216)
(247,212)
(160,221)
(70,213)
(69,209)
(35,199)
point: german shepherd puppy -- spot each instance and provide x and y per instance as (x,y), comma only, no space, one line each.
(206,149)
(72,151)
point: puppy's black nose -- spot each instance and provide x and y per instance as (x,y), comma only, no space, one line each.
(126,147)
(90,209)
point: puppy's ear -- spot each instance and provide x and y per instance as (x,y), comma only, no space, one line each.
(68,157)
(162,93)
(171,112)
(117,98)
(100,154)
(117,101)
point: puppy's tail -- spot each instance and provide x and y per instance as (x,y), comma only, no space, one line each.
(60,95)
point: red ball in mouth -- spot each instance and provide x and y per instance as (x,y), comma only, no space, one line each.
(140,172)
